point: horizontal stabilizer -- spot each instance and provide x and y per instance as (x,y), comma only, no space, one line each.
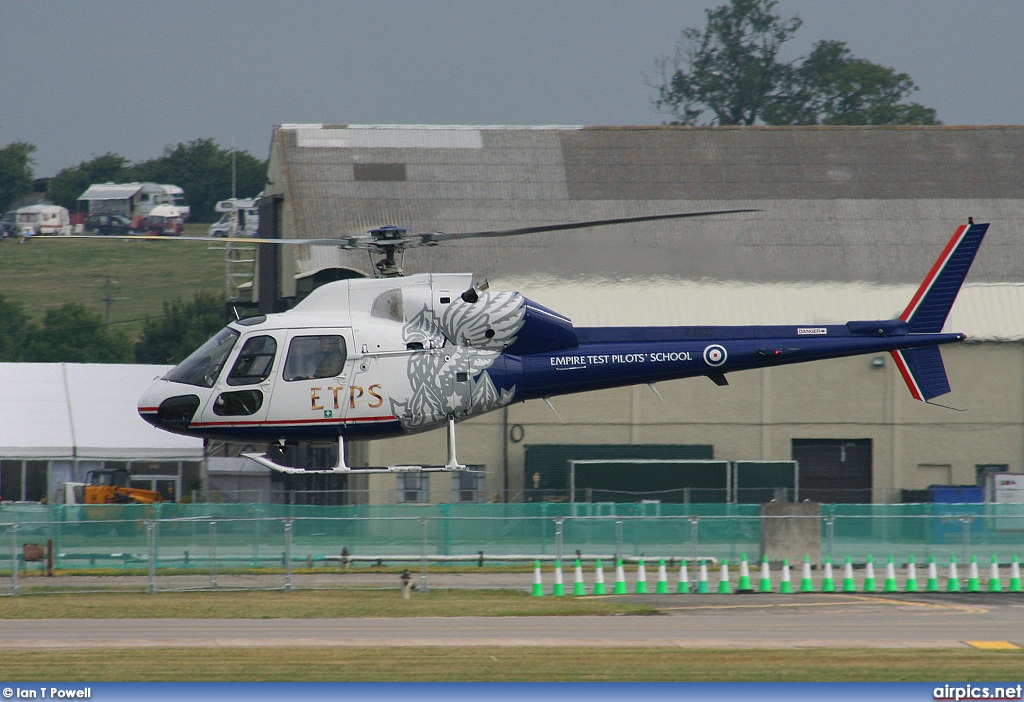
(923,371)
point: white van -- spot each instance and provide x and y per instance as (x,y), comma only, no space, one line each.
(241,218)
(43,220)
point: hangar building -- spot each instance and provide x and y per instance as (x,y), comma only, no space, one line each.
(850,220)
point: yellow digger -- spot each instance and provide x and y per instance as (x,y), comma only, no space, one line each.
(108,487)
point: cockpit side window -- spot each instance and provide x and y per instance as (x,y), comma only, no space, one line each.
(254,362)
(203,365)
(311,357)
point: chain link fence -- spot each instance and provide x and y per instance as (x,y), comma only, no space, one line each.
(208,542)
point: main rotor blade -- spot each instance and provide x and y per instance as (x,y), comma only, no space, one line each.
(344,243)
(442,236)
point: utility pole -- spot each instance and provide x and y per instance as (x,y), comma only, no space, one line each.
(108,299)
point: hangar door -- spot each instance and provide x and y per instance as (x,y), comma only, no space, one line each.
(834,470)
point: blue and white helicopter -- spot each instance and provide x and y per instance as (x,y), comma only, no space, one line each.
(395,355)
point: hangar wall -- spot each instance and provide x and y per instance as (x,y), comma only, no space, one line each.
(758,415)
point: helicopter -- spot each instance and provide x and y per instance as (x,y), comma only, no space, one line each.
(392,355)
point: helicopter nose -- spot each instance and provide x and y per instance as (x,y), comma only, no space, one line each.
(162,407)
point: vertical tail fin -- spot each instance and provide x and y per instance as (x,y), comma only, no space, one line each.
(930,305)
(922,368)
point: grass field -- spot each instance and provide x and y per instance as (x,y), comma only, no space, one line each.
(508,664)
(443,664)
(51,271)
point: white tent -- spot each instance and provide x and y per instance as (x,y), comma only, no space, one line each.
(61,411)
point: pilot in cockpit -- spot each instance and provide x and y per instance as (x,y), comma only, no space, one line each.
(332,360)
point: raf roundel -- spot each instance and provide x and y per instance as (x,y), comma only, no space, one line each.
(715,355)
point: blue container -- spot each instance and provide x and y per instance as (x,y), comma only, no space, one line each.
(956,494)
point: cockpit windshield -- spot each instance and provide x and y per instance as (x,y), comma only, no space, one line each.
(203,366)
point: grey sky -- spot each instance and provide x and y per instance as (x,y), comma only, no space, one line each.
(80,79)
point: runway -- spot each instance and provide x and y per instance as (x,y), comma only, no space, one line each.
(942,620)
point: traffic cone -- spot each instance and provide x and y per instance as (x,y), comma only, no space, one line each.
(911,584)
(744,582)
(973,582)
(723,579)
(785,586)
(662,587)
(538,584)
(806,584)
(558,589)
(993,576)
(641,577)
(578,588)
(848,583)
(702,579)
(684,579)
(1014,576)
(620,578)
(869,576)
(599,578)
(766,576)
(953,582)
(890,576)
(828,583)
(932,584)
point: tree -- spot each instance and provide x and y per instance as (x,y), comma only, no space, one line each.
(15,172)
(731,74)
(73,334)
(65,188)
(834,87)
(15,327)
(181,330)
(204,171)
(734,71)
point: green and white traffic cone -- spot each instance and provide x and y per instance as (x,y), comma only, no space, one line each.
(869,576)
(806,584)
(911,584)
(578,589)
(599,578)
(932,583)
(993,576)
(538,584)
(683,588)
(973,581)
(558,589)
(953,580)
(828,583)
(743,585)
(1015,585)
(662,587)
(723,579)
(766,576)
(785,585)
(620,578)
(848,583)
(702,579)
(641,577)
(890,577)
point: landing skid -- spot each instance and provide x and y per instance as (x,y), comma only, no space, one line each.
(451,466)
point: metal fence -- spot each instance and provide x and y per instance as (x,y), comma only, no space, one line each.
(210,540)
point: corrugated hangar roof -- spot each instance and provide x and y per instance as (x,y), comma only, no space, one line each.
(837,203)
